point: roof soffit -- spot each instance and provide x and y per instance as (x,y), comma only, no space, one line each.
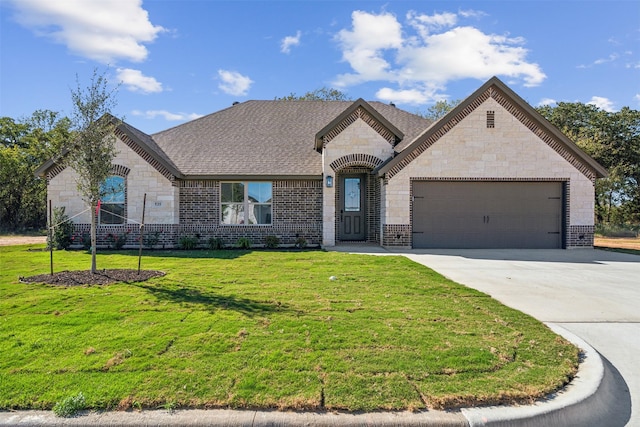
(360,109)
(520,109)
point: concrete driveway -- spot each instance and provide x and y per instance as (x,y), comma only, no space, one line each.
(593,293)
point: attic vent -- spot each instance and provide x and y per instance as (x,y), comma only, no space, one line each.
(491,119)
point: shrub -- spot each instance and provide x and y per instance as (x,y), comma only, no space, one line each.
(215,243)
(150,240)
(271,242)
(612,230)
(117,241)
(62,231)
(301,243)
(70,406)
(244,243)
(188,242)
(85,240)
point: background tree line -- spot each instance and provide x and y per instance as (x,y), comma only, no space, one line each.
(611,138)
(26,144)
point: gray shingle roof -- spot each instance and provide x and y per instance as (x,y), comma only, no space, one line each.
(264,138)
(150,146)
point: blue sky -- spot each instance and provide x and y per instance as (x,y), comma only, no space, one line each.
(178,60)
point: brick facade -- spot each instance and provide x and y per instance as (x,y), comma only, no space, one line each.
(296,210)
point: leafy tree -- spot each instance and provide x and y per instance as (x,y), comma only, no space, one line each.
(612,139)
(440,109)
(92,151)
(322,94)
(24,145)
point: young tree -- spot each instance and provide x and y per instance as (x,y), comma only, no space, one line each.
(92,151)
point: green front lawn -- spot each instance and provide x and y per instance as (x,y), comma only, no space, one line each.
(266,330)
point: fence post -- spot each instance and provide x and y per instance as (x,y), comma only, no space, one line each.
(50,239)
(144,204)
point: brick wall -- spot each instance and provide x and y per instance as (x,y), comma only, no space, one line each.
(296,212)
(580,236)
(398,235)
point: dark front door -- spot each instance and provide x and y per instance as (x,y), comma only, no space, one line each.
(352,207)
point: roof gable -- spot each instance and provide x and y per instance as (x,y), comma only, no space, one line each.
(360,109)
(515,105)
(141,143)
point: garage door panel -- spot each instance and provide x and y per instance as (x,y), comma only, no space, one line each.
(476,214)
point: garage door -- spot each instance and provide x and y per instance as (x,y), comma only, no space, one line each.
(472,214)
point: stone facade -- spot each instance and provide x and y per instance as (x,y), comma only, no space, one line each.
(140,178)
(161,212)
(508,150)
(360,148)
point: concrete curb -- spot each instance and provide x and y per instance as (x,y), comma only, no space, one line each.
(224,418)
(587,400)
(583,402)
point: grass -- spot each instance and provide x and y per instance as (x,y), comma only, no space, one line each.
(246,329)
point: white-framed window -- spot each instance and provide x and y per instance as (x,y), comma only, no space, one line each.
(112,203)
(246,203)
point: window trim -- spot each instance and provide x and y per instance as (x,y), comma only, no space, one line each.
(245,203)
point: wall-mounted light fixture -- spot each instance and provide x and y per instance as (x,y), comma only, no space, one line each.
(329,181)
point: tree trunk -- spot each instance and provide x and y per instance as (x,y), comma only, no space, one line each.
(93,238)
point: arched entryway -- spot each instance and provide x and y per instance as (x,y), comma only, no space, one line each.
(357,199)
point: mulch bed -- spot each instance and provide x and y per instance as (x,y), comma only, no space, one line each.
(85,277)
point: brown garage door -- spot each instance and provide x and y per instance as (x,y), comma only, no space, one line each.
(472,214)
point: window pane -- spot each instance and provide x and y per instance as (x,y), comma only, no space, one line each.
(233,213)
(232,192)
(113,189)
(259,214)
(260,192)
(111,213)
(352,194)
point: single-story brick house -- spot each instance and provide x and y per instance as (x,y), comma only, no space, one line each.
(492,173)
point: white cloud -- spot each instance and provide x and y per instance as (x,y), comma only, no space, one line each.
(610,58)
(135,81)
(152,114)
(470,13)
(234,83)
(602,103)
(419,95)
(102,30)
(547,101)
(637,97)
(425,24)
(290,41)
(363,47)
(379,48)
(600,61)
